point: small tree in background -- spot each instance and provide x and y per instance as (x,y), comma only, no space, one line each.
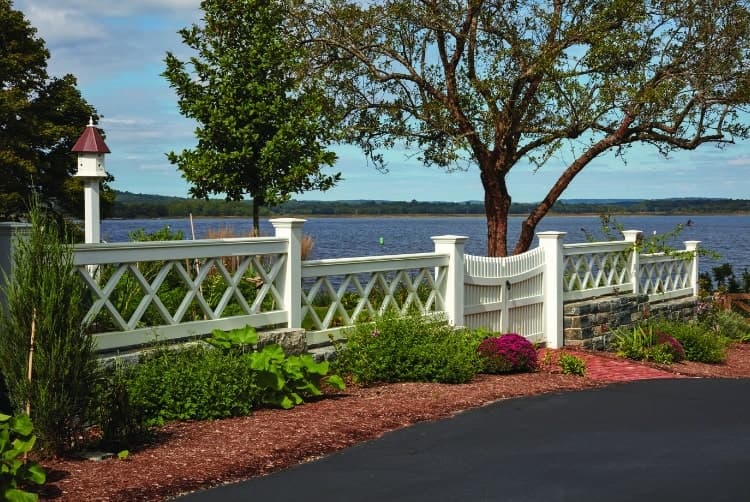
(46,296)
(261,128)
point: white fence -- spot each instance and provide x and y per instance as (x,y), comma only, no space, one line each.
(167,290)
(506,294)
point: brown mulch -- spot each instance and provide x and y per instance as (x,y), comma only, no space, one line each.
(189,456)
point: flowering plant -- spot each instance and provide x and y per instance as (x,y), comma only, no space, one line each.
(507,353)
(674,345)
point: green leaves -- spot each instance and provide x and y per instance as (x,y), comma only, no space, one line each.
(411,348)
(238,338)
(40,119)
(287,380)
(498,84)
(262,131)
(17,439)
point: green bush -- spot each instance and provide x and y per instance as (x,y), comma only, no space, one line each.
(700,343)
(201,382)
(729,324)
(572,365)
(45,291)
(122,421)
(410,348)
(645,342)
(189,383)
(16,440)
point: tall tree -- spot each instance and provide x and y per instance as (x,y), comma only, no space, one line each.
(496,83)
(261,129)
(40,119)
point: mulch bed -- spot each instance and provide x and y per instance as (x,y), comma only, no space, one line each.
(189,456)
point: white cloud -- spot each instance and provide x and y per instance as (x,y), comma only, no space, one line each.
(109,8)
(59,25)
(743,160)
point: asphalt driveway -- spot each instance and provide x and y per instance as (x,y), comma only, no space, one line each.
(661,440)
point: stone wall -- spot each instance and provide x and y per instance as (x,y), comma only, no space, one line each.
(589,323)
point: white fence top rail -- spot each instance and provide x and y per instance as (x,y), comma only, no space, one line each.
(364,264)
(596,247)
(95,254)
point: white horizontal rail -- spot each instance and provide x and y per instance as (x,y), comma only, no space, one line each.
(366,264)
(595,247)
(99,254)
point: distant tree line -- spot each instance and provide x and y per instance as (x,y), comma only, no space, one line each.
(129,205)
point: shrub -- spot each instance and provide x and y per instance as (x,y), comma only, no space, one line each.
(646,343)
(699,343)
(122,421)
(189,383)
(45,295)
(632,343)
(507,353)
(673,346)
(729,324)
(16,440)
(572,365)
(410,348)
(200,382)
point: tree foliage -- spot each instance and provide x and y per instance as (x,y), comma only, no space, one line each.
(46,296)
(41,117)
(261,130)
(557,82)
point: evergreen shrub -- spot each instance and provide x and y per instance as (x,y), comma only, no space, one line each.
(45,291)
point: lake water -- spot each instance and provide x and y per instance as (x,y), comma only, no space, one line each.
(728,235)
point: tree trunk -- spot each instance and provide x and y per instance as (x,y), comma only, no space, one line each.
(496,208)
(256,217)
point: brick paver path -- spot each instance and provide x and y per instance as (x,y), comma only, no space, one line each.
(609,369)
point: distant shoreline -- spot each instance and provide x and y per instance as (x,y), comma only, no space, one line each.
(137,206)
(439,215)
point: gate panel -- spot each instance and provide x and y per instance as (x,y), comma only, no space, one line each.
(505,295)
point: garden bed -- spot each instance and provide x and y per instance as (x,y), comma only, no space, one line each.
(196,455)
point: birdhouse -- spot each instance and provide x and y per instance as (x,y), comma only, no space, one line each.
(91,148)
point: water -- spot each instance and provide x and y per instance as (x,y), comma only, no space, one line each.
(728,235)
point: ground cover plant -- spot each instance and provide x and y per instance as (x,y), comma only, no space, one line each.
(409,348)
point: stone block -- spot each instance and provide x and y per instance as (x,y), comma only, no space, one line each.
(293,341)
(572,334)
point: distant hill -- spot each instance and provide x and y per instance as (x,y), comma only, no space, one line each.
(131,205)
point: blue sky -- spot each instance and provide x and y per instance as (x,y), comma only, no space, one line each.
(116,50)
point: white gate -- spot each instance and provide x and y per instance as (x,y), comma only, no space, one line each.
(504,295)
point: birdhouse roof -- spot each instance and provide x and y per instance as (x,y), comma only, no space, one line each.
(90,142)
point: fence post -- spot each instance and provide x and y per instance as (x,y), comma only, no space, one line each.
(692,247)
(552,246)
(453,246)
(289,282)
(9,232)
(633,237)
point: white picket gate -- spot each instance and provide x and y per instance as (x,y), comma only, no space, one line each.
(506,294)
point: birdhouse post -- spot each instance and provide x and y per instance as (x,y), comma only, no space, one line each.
(91,149)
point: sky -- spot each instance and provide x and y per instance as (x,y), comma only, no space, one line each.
(116,49)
